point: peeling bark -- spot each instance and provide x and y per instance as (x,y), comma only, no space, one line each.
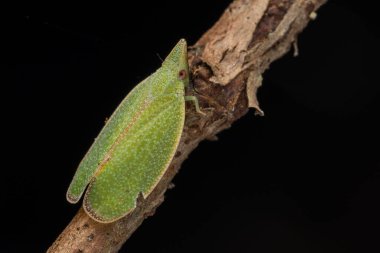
(226,65)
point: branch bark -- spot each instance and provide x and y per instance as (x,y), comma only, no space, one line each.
(226,65)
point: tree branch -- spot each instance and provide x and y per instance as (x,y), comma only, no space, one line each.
(226,65)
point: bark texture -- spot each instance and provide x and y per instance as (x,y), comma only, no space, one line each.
(226,66)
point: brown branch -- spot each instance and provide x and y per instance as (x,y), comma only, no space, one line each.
(226,65)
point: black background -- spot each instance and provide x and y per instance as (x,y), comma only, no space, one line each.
(304,178)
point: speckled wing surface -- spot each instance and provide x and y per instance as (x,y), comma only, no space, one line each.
(137,144)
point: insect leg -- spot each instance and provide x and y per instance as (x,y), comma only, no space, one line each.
(194,99)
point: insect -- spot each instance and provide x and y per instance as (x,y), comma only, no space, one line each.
(137,144)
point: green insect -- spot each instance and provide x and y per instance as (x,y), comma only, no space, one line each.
(137,144)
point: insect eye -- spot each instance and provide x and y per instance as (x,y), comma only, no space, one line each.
(182,74)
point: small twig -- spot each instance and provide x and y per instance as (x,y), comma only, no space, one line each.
(226,64)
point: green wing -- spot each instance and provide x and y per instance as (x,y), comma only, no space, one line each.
(138,159)
(122,117)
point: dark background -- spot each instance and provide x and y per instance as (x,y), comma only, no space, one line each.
(304,178)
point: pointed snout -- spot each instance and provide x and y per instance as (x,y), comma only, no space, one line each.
(178,55)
